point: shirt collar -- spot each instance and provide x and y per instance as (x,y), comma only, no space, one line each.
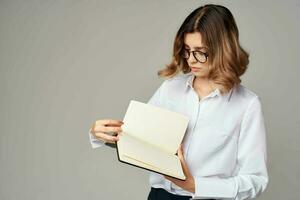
(216,92)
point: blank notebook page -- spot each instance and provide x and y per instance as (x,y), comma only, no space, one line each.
(156,125)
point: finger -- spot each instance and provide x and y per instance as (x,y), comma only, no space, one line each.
(182,159)
(114,125)
(184,165)
(180,153)
(110,129)
(111,142)
(168,177)
(175,181)
(107,129)
(109,122)
(101,139)
(106,137)
(108,141)
(171,178)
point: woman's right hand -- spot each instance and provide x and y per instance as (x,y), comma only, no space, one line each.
(103,128)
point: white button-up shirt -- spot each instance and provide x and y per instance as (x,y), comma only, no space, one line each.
(224,144)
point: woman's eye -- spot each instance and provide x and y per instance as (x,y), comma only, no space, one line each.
(200,52)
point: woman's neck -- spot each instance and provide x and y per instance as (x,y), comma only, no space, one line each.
(203,86)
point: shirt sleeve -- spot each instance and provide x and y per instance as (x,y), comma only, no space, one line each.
(94,141)
(156,98)
(252,177)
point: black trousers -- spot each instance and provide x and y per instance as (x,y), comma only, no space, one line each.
(162,194)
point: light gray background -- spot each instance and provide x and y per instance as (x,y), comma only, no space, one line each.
(65,64)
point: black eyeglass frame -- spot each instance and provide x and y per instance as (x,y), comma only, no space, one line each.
(193,52)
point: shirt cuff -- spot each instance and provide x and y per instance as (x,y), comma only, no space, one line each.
(215,188)
(95,143)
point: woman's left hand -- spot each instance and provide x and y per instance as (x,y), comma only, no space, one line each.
(189,183)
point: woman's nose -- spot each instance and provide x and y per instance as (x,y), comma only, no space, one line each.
(192,59)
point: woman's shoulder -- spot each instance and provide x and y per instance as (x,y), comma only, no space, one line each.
(177,81)
(245,94)
(175,86)
(245,91)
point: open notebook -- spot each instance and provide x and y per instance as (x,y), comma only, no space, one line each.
(151,138)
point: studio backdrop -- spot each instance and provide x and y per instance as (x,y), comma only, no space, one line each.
(65,64)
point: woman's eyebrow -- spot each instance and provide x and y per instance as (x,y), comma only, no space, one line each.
(196,47)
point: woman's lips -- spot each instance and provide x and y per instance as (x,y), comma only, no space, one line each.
(195,68)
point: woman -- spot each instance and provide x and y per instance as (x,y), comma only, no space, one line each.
(223,153)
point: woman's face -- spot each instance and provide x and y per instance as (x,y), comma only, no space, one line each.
(192,41)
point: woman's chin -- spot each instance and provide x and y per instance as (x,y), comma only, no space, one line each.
(200,74)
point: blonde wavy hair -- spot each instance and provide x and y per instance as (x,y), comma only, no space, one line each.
(227,59)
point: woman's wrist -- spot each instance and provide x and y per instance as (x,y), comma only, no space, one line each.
(191,185)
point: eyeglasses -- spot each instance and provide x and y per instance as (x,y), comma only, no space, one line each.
(198,55)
